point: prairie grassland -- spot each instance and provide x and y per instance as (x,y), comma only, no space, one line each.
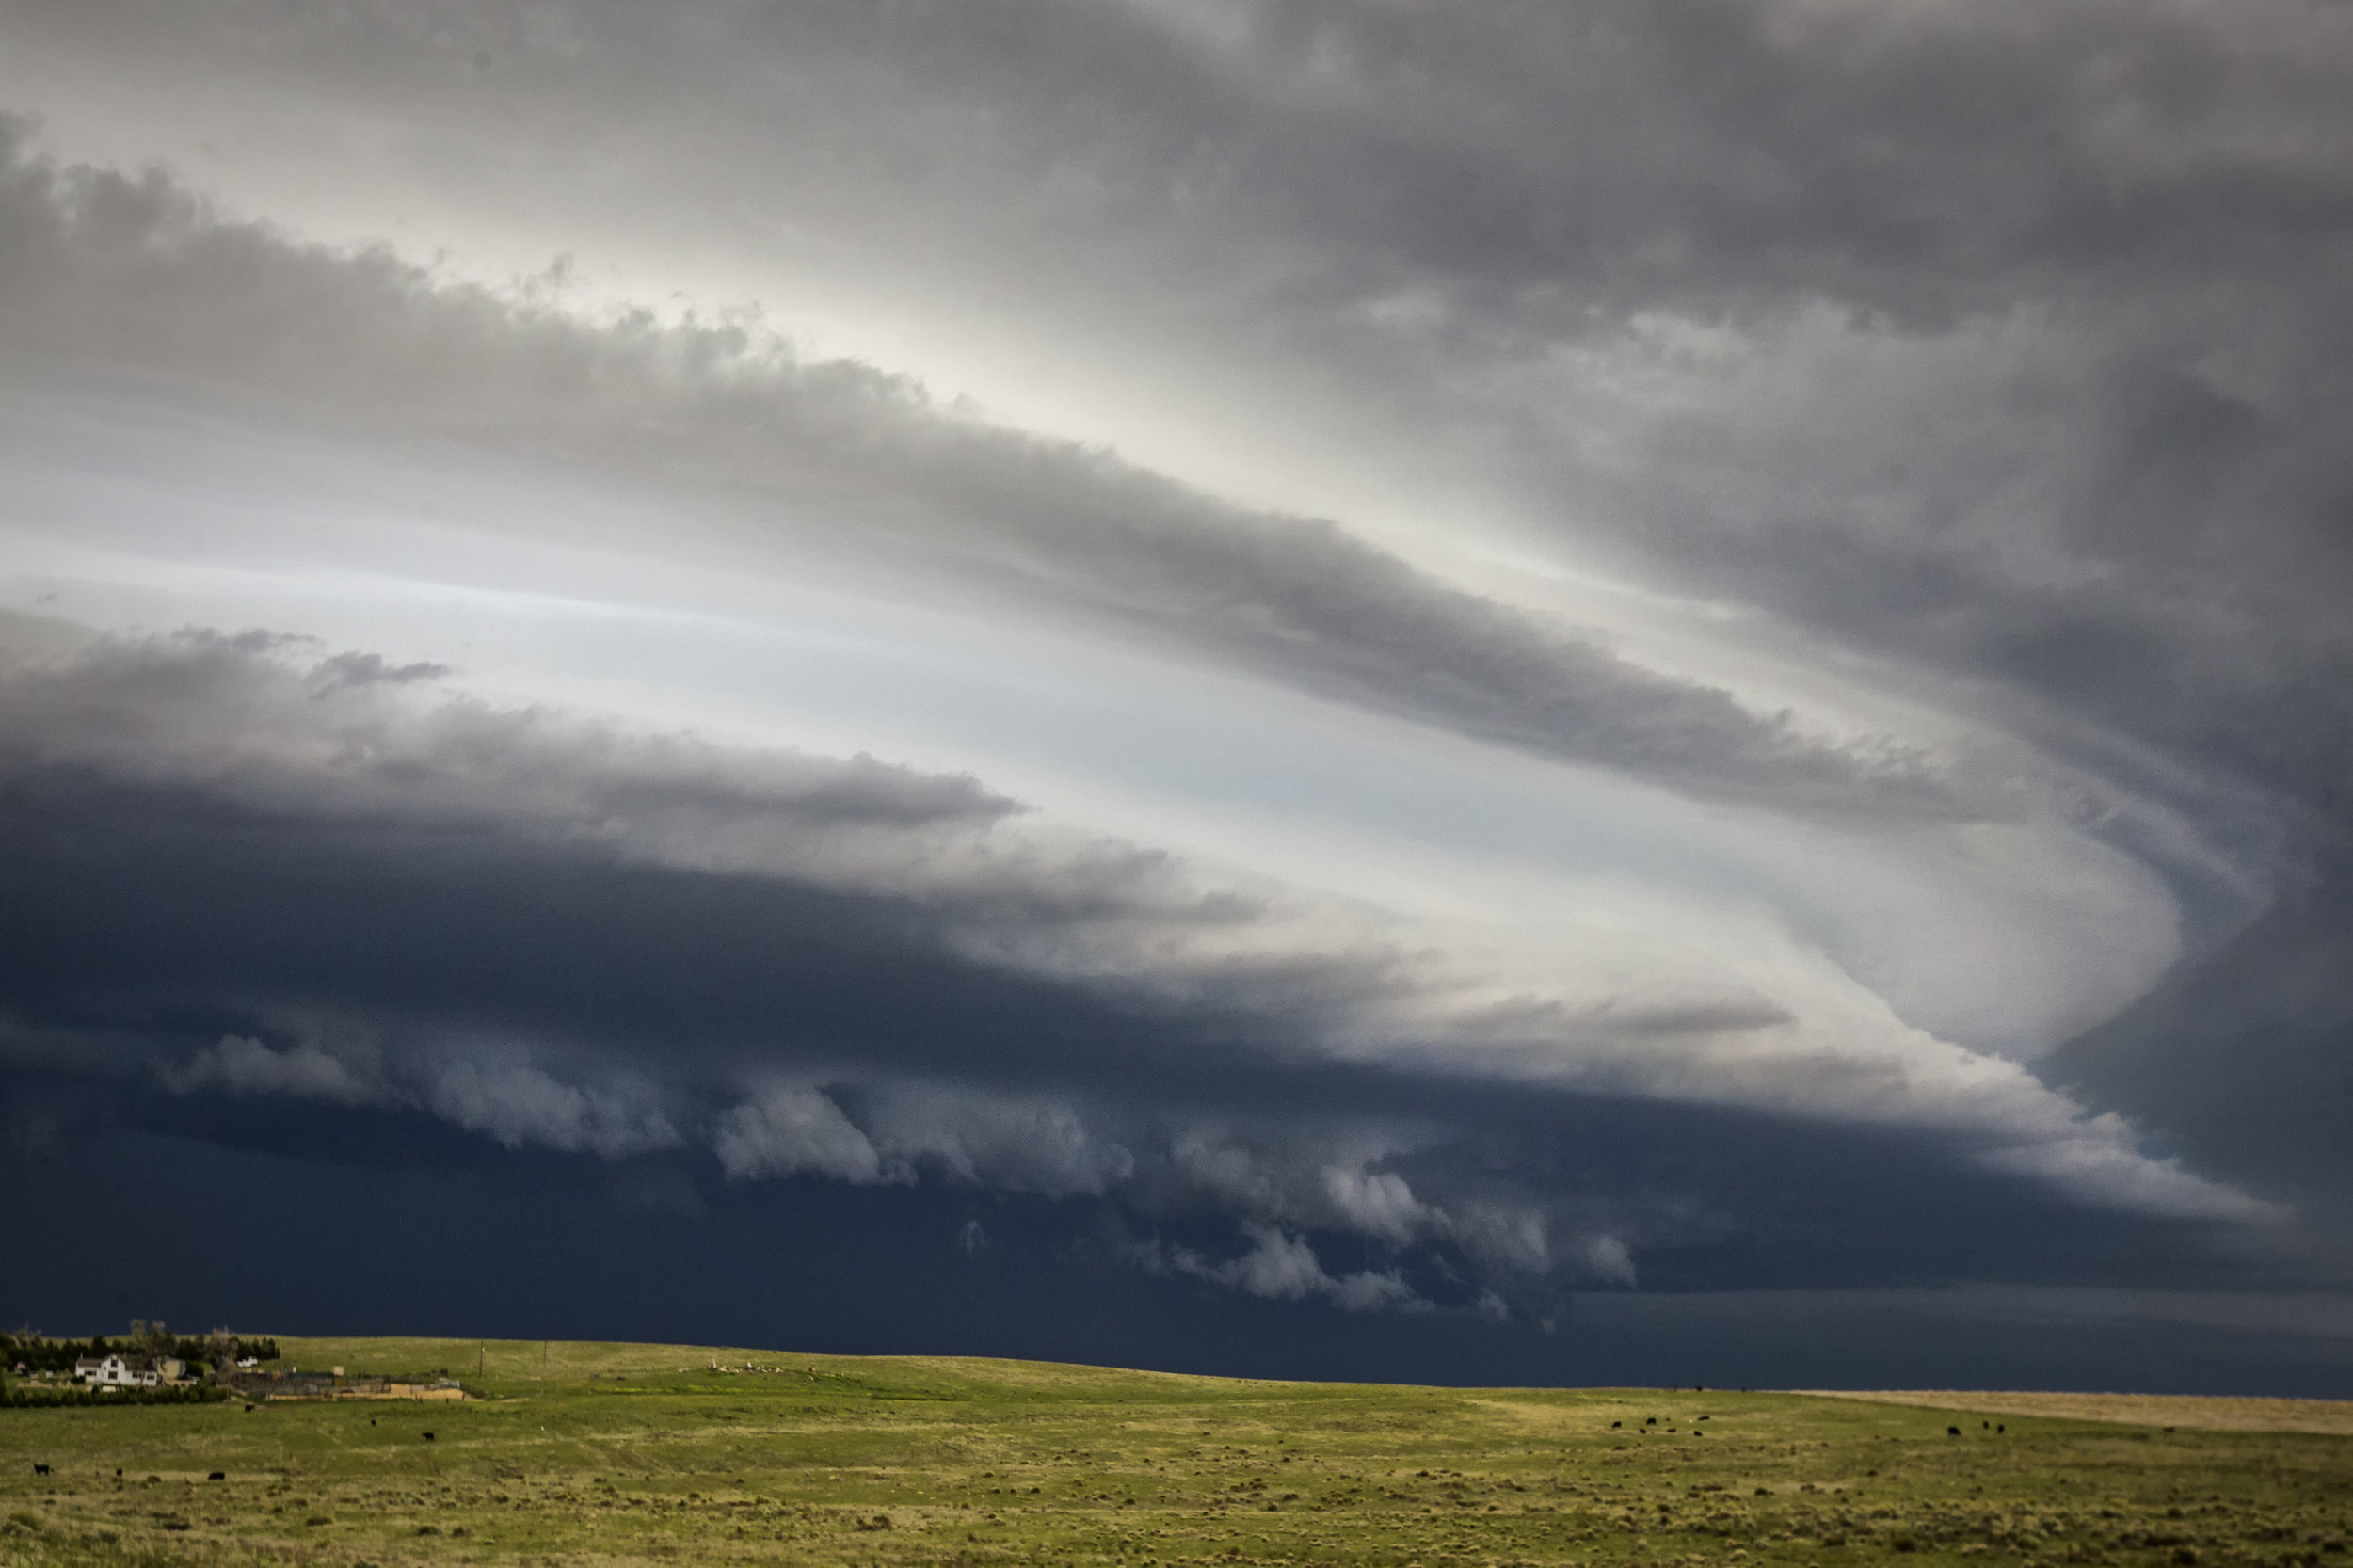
(2146,1410)
(625,1454)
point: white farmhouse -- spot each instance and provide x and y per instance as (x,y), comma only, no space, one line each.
(113,1372)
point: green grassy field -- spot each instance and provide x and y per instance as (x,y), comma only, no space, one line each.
(637,1453)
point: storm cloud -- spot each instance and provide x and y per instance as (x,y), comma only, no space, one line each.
(1305,663)
(552,932)
(139,277)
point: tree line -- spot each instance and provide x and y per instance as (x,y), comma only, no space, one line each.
(141,1349)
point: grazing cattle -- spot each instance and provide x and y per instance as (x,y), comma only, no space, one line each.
(1999,1429)
(428,1437)
(40,1469)
(1952,1431)
(1615,1425)
(1650,1420)
(218,1475)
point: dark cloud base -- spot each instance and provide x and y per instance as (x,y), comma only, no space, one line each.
(143,926)
(370,932)
(301,1245)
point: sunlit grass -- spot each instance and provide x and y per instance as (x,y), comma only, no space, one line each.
(635,1453)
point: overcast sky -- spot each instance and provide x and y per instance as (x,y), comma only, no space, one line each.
(1647,691)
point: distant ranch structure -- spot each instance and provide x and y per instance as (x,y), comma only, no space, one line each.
(335,1384)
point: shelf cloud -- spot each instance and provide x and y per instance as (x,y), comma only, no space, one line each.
(1339,670)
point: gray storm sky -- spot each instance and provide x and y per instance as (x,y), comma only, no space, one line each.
(1777,561)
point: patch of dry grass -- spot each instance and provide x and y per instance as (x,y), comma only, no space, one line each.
(2141,1409)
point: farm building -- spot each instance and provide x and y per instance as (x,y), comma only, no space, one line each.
(114,1372)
